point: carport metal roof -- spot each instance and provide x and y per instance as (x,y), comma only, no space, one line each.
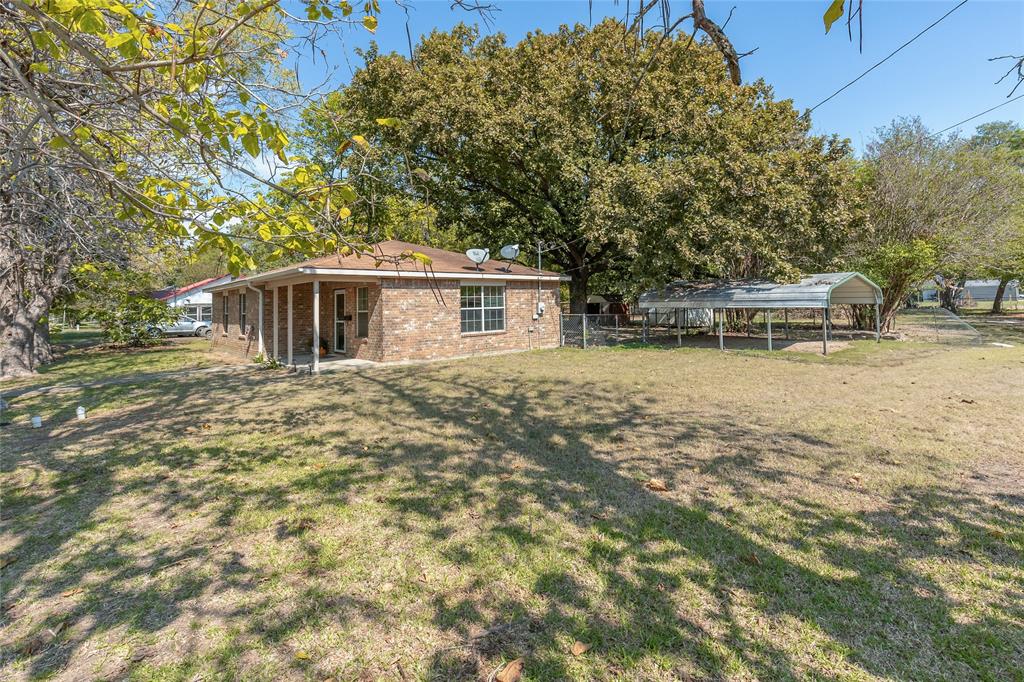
(821,290)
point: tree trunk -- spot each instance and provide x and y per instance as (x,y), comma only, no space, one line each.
(16,348)
(997,302)
(578,293)
(948,291)
(42,349)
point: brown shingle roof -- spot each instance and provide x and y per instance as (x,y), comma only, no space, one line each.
(442,261)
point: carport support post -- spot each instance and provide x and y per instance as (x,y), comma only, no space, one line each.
(316,326)
(768,317)
(824,332)
(785,314)
(679,330)
(878,326)
(721,334)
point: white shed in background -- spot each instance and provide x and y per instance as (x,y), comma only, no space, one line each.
(192,299)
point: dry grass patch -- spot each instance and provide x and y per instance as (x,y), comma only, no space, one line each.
(858,517)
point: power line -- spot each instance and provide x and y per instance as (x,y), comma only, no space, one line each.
(891,54)
(956,125)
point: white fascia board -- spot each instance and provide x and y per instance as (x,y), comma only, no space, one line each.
(406,274)
(389,274)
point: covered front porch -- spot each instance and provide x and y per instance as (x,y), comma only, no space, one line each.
(318,322)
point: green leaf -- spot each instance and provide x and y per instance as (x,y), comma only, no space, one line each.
(348,194)
(834,11)
(389,122)
(39,67)
(370,23)
(251,144)
(92,21)
(118,39)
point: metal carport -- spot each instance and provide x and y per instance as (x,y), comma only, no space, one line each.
(821,290)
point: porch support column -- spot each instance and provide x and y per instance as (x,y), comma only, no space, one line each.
(273,319)
(824,331)
(290,325)
(878,326)
(259,320)
(316,326)
(768,317)
(721,334)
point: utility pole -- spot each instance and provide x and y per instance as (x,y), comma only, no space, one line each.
(539,245)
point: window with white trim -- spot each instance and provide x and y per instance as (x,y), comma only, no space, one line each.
(362,311)
(241,314)
(483,308)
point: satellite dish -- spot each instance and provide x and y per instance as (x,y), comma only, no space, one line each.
(478,256)
(510,252)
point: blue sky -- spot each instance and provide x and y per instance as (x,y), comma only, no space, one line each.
(943,77)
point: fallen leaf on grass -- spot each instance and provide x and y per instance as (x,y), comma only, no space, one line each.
(965,400)
(71,592)
(7,562)
(997,534)
(511,672)
(207,426)
(657,485)
(301,656)
(752,559)
(600,516)
(579,648)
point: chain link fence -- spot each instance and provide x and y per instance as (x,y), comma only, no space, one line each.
(937,325)
(654,326)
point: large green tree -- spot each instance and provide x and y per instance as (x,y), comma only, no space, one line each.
(937,206)
(628,156)
(1005,140)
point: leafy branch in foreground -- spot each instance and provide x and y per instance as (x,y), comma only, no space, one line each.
(151,119)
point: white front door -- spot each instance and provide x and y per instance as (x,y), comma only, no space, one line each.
(339,320)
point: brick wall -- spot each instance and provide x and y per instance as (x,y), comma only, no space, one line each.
(233,337)
(409,320)
(422,320)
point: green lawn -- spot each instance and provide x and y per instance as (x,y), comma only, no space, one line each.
(856,517)
(90,363)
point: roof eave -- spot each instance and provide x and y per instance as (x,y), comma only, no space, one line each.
(388,274)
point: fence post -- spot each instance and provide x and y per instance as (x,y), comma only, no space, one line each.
(768,317)
(643,325)
(679,330)
(721,334)
(584,331)
(616,328)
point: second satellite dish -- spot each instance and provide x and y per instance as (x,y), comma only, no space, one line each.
(510,251)
(478,256)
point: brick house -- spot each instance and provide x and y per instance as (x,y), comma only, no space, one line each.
(385,311)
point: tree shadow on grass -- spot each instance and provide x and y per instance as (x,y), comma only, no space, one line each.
(532,489)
